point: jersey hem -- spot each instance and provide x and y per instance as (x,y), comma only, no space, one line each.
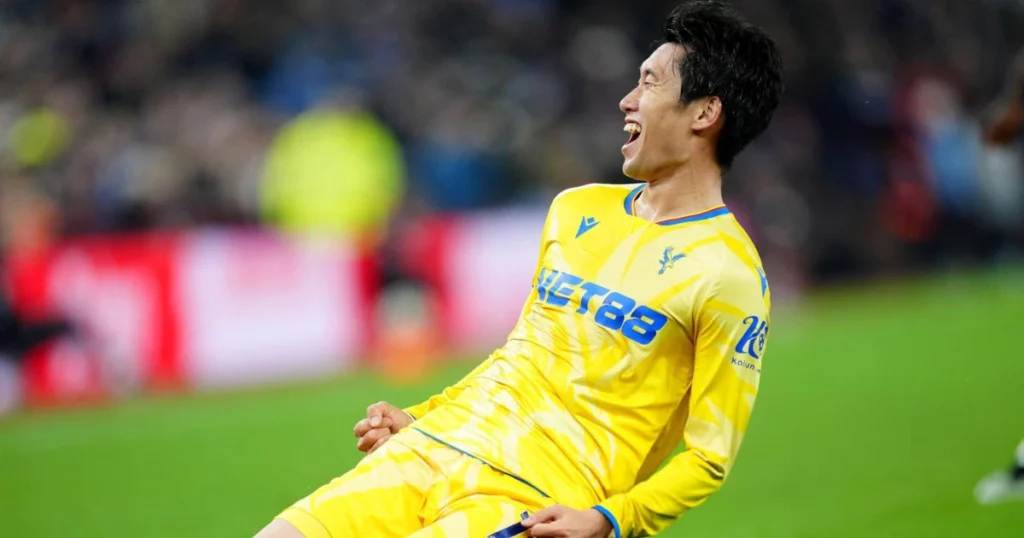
(483,461)
(305,523)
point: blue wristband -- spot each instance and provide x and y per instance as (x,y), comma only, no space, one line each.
(611,519)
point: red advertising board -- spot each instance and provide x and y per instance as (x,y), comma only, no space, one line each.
(196,310)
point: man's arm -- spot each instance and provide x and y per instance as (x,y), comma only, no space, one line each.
(732,328)
(417,411)
(384,419)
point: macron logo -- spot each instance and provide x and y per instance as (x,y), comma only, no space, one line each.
(586,224)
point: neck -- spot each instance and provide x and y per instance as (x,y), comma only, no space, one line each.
(690,189)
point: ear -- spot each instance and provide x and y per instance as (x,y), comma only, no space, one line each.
(707,112)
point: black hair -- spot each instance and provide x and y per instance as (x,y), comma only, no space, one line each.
(731,59)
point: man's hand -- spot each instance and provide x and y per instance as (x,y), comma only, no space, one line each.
(565,522)
(382,421)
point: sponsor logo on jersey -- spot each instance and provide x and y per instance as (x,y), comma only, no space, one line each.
(754,338)
(612,310)
(746,365)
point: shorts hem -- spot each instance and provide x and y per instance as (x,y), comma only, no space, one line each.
(306,523)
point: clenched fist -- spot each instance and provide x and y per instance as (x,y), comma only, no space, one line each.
(382,421)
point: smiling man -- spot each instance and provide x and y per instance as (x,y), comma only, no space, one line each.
(645,330)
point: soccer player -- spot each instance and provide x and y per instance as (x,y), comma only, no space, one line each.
(645,329)
(1004,126)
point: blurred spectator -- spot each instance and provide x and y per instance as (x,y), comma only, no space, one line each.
(333,171)
(18,335)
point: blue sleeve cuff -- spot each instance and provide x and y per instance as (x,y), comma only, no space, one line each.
(615,523)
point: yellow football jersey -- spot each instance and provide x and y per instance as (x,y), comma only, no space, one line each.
(636,336)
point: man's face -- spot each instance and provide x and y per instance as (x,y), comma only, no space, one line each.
(659,125)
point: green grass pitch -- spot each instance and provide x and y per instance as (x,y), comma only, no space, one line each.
(880,409)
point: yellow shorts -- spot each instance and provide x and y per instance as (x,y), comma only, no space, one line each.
(416,487)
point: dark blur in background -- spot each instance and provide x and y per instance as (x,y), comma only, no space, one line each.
(129,115)
(208,193)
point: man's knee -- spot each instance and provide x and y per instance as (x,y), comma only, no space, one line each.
(280,528)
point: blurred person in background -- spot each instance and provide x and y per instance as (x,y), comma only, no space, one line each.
(1003,164)
(27,222)
(334,170)
(1005,123)
(19,335)
(569,422)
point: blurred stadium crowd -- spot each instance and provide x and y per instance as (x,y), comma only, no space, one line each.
(340,117)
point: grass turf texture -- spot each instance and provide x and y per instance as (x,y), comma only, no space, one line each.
(880,409)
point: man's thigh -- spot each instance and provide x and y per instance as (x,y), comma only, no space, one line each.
(476,501)
(476,517)
(382,496)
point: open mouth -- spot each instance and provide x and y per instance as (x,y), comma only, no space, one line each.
(634,130)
